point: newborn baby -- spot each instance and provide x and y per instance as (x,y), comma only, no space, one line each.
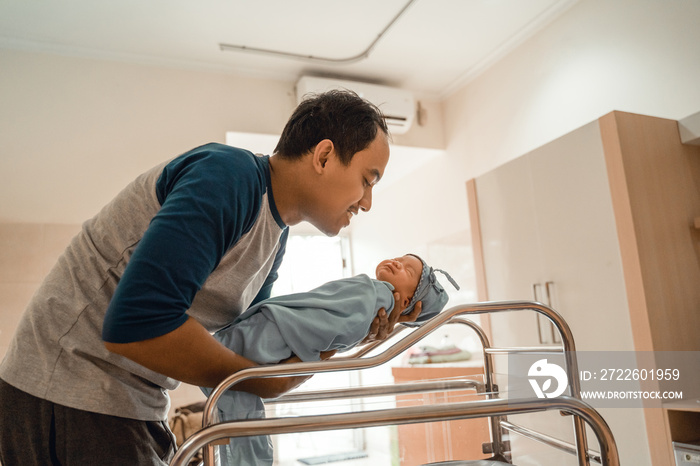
(334,316)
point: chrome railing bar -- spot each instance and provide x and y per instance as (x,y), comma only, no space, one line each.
(402,345)
(398,416)
(548,440)
(527,349)
(333,365)
(380,390)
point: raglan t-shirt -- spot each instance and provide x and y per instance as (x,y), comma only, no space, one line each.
(197,236)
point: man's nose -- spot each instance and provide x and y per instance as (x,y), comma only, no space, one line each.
(366,201)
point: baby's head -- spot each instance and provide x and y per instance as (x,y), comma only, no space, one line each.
(415,281)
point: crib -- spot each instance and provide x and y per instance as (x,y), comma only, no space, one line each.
(495,406)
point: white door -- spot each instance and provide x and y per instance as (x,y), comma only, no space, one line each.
(512,251)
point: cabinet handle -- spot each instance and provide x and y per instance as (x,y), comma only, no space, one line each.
(549,286)
(534,291)
(540,337)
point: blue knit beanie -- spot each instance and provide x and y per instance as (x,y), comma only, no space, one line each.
(430,292)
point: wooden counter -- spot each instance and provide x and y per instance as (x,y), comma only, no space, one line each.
(440,441)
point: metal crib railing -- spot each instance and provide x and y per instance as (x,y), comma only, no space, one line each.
(407,415)
(494,408)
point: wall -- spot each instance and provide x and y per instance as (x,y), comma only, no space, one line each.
(27,253)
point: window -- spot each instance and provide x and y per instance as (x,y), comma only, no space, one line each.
(310,261)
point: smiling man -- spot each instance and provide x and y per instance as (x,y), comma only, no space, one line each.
(129,308)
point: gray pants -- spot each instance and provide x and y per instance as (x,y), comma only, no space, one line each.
(37,432)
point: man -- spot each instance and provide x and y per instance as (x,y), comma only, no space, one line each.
(128,309)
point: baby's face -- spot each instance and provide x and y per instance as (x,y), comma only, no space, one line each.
(404,273)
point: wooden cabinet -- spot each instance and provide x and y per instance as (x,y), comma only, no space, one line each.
(439,441)
(605,214)
(683,420)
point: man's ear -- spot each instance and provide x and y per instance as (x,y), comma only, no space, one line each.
(321,155)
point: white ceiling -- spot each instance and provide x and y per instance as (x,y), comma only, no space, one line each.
(435,47)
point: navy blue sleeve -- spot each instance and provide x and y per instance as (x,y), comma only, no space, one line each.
(209,198)
(266,289)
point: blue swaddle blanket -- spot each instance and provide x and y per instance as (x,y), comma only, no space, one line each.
(334,316)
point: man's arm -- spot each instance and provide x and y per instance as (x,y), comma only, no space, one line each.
(190,354)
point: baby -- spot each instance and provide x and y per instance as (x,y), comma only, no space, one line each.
(334,316)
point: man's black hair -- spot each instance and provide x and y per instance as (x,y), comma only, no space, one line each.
(342,116)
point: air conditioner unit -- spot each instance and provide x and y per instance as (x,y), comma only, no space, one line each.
(397,105)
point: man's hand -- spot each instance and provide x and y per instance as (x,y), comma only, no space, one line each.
(384,324)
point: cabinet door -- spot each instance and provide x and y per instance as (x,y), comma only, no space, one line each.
(580,253)
(513,263)
(511,248)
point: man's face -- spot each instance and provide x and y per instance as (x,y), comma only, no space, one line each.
(345,190)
